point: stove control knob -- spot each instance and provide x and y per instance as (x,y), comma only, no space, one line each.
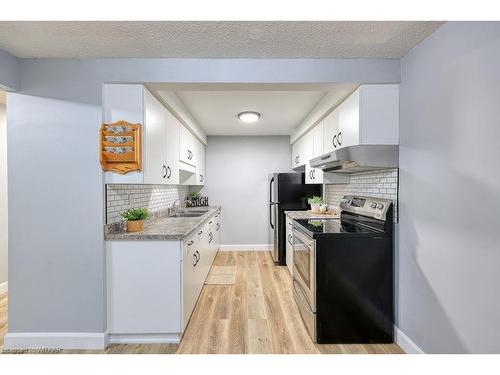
(380,206)
(373,205)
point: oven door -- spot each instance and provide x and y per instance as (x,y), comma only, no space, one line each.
(304,266)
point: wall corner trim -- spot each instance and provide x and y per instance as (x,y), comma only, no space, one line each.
(406,343)
(4,287)
(59,340)
(262,247)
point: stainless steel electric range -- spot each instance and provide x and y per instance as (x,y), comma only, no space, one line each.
(343,273)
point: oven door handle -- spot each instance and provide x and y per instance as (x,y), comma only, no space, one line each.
(300,297)
(304,238)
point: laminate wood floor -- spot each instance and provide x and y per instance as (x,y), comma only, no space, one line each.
(257,315)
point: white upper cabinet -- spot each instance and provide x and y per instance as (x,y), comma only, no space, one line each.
(155,133)
(315,175)
(348,130)
(370,116)
(166,142)
(161,130)
(330,130)
(187,144)
(317,136)
(302,151)
(199,152)
(171,172)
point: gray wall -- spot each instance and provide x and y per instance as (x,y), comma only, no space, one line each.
(237,171)
(449,253)
(3,195)
(9,71)
(56,255)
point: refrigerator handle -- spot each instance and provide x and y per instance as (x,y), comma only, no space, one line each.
(271,190)
(270,215)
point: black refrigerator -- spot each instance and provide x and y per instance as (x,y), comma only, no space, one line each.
(287,192)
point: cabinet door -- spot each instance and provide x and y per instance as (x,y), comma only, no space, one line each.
(302,151)
(200,162)
(204,263)
(185,147)
(289,244)
(217,233)
(330,130)
(171,176)
(143,281)
(295,154)
(348,133)
(313,175)
(317,139)
(189,287)
(156,134)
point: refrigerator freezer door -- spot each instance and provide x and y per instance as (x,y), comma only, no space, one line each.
(273,188)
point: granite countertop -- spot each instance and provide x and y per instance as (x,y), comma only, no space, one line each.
(296,215)
(166,228)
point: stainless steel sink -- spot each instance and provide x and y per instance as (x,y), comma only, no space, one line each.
(190,213)
(187,214)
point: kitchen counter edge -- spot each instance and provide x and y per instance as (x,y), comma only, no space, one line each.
(160,229)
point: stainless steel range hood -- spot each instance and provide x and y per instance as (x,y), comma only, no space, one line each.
(361,158)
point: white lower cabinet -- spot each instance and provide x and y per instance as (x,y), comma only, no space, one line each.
(289,244)
(153,286)
(143,290)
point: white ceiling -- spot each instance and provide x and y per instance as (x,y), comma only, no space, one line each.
(237,39)
(216,111)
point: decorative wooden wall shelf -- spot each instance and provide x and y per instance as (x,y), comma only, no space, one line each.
(120,147)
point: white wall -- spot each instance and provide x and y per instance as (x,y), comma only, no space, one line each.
(237,170)
(449,253)
(56,258)
(3,195)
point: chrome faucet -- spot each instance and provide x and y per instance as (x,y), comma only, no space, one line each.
(174,207)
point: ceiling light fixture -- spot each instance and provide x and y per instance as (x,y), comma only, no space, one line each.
(249,116)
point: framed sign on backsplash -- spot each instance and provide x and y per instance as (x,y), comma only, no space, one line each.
(120,147)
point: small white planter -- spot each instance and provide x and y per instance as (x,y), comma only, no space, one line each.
(315,206)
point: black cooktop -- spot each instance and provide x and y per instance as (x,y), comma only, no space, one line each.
(335,226)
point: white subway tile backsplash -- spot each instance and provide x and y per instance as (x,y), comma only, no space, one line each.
(154,197)
(380,184)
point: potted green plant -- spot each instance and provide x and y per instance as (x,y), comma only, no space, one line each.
(135,218)
(315,202)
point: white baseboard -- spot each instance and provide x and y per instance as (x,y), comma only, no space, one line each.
(263,247)
(4,287)
(60,340)
(406,343)
(144,338)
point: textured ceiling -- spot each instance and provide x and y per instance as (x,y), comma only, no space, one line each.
(329,39)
